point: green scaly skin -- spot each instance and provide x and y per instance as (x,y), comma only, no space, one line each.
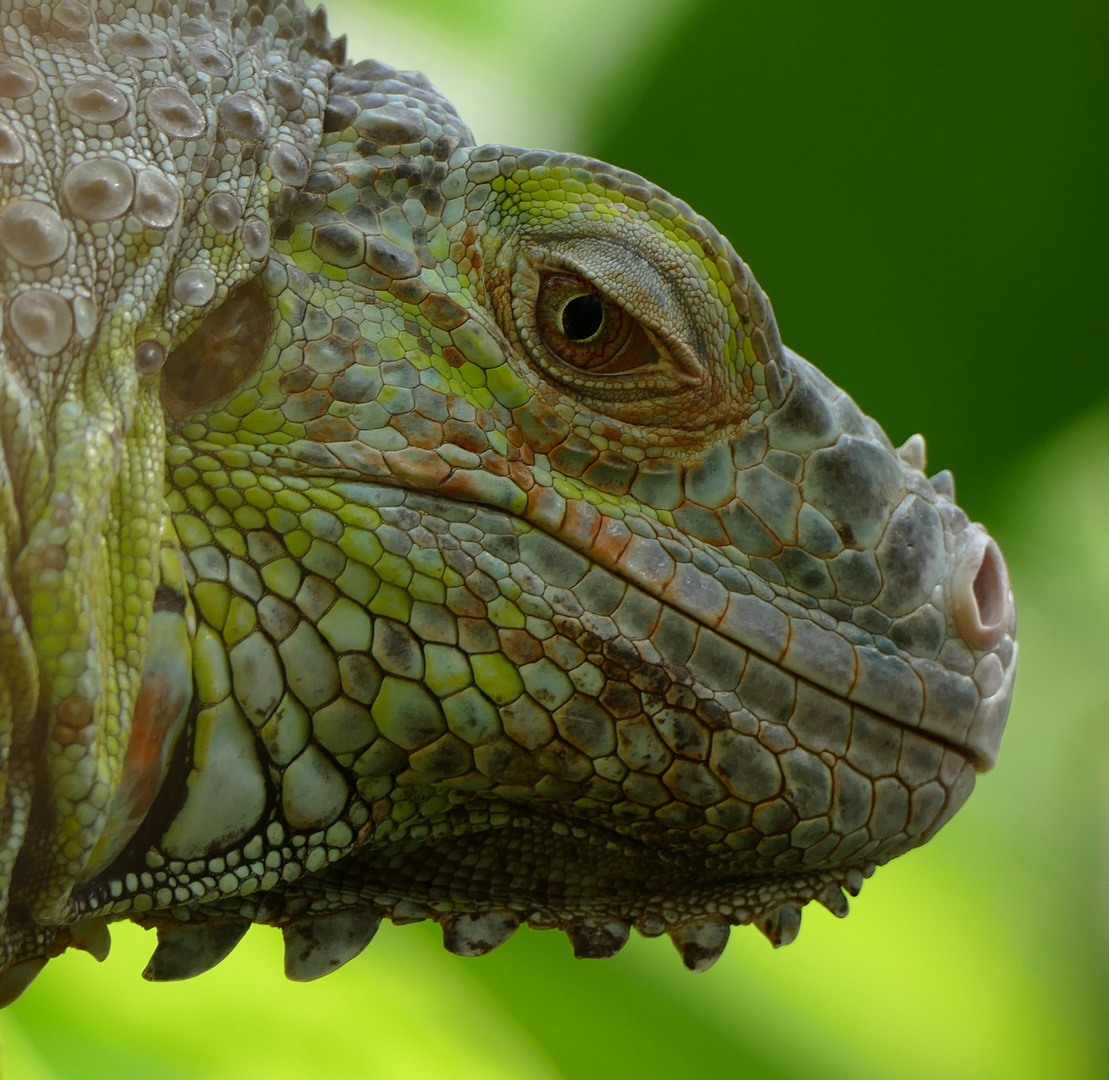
(398,527)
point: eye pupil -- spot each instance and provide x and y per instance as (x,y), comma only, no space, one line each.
(582,316)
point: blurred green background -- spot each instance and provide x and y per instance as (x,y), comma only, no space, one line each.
(917,187)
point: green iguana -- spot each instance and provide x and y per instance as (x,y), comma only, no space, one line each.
(398,527)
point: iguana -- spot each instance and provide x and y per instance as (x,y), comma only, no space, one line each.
(399,527)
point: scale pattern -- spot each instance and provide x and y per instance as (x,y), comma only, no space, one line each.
(398,527)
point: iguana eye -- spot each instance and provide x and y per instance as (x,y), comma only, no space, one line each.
(220,353)
(586,330)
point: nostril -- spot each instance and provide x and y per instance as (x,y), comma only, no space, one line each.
(991,587)
(981,599)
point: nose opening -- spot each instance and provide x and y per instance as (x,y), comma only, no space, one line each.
(981,599)
(991,588)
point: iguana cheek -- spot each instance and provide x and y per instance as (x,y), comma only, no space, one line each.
(161,709)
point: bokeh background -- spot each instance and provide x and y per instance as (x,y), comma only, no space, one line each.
(921,190)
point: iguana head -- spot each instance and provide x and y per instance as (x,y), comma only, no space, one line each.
(400,527)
